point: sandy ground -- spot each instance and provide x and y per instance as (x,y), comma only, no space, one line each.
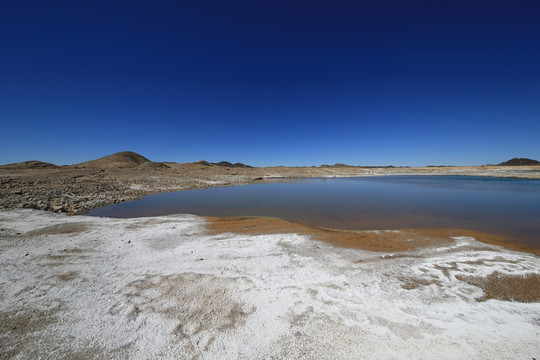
(75,189)
(171,287)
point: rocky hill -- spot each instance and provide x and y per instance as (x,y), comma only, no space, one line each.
(121,160)
(32,164)
(520,162)
(235,165)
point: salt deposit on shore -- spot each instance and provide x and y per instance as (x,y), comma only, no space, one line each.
(166,288)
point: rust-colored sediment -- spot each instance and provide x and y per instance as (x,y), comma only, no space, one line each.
(385,240)
(495,286)
(505,287)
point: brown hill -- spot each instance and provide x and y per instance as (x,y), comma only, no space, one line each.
(222,163)
(520,162)
(228,164)
(337,165)
(203,163)
(121,160)
(32,164)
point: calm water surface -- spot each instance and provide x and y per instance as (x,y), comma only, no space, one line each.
(509,207)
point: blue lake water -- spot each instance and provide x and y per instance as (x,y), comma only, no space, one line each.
(509,207)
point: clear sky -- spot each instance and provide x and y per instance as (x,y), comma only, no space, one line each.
(271,82)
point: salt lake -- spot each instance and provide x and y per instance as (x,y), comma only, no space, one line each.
(502,206)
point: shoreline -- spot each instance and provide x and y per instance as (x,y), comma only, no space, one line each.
(77,190)
(74,190)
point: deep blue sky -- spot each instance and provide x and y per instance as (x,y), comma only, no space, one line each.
(271,82)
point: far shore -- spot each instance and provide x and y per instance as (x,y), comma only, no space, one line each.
(75,189)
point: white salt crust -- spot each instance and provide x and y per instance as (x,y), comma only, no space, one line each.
(163,288)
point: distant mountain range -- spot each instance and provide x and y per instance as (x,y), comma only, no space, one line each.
(120,160)
(132,160)
(223,163)
(339,165)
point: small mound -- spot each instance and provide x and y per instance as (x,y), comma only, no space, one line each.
(337,165)
(235,165)
(203,163)
(32,164)
(153,165)
(520,162)
(121,160)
